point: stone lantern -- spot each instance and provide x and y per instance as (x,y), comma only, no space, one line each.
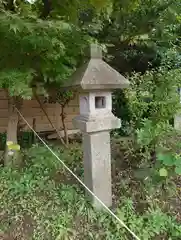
(95,82)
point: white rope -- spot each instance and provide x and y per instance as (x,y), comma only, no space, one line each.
(78,179)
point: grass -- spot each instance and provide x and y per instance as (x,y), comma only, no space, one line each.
(42,201)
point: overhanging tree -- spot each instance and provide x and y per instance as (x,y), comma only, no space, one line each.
(42,43)
(37,51)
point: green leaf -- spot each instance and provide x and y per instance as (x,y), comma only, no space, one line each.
(163,172)
(178,162)
(14,28)
(121,215)
(160,156)
(167,159)
(142,173)
(178,170)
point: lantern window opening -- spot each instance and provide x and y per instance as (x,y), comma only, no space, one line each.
(100,102)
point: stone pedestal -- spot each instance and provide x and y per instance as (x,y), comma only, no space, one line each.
(95,81)
(97,155)
(177,122)
(97,166)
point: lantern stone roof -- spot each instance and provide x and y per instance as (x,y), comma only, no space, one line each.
(97,74)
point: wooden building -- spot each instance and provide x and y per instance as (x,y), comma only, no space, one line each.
(35,116)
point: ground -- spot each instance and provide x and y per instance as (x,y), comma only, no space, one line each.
(40,200)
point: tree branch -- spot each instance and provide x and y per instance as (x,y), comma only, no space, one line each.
(46,9)
(41,106)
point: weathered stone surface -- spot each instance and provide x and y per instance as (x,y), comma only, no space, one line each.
(97,74)
(96,125)
(177,122)
(95,81)
(97,166)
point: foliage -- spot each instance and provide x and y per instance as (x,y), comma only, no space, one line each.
(138,36)
(36,50)
(170,160)
(121,110)
(153,102)
(152,50)
(61,209)
(44,42)
(136,25)
(45,39)
(41,45)
(25,140)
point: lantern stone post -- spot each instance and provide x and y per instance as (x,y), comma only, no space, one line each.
(95,82)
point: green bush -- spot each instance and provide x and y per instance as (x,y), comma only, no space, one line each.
(43,201)
(153,102)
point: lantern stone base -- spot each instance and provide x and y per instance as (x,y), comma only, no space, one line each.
(177,122)
(97,156)
(95,82)
(97,167)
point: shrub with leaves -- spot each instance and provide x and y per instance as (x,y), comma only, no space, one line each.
(36,50)
(42,201)
(154,101)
